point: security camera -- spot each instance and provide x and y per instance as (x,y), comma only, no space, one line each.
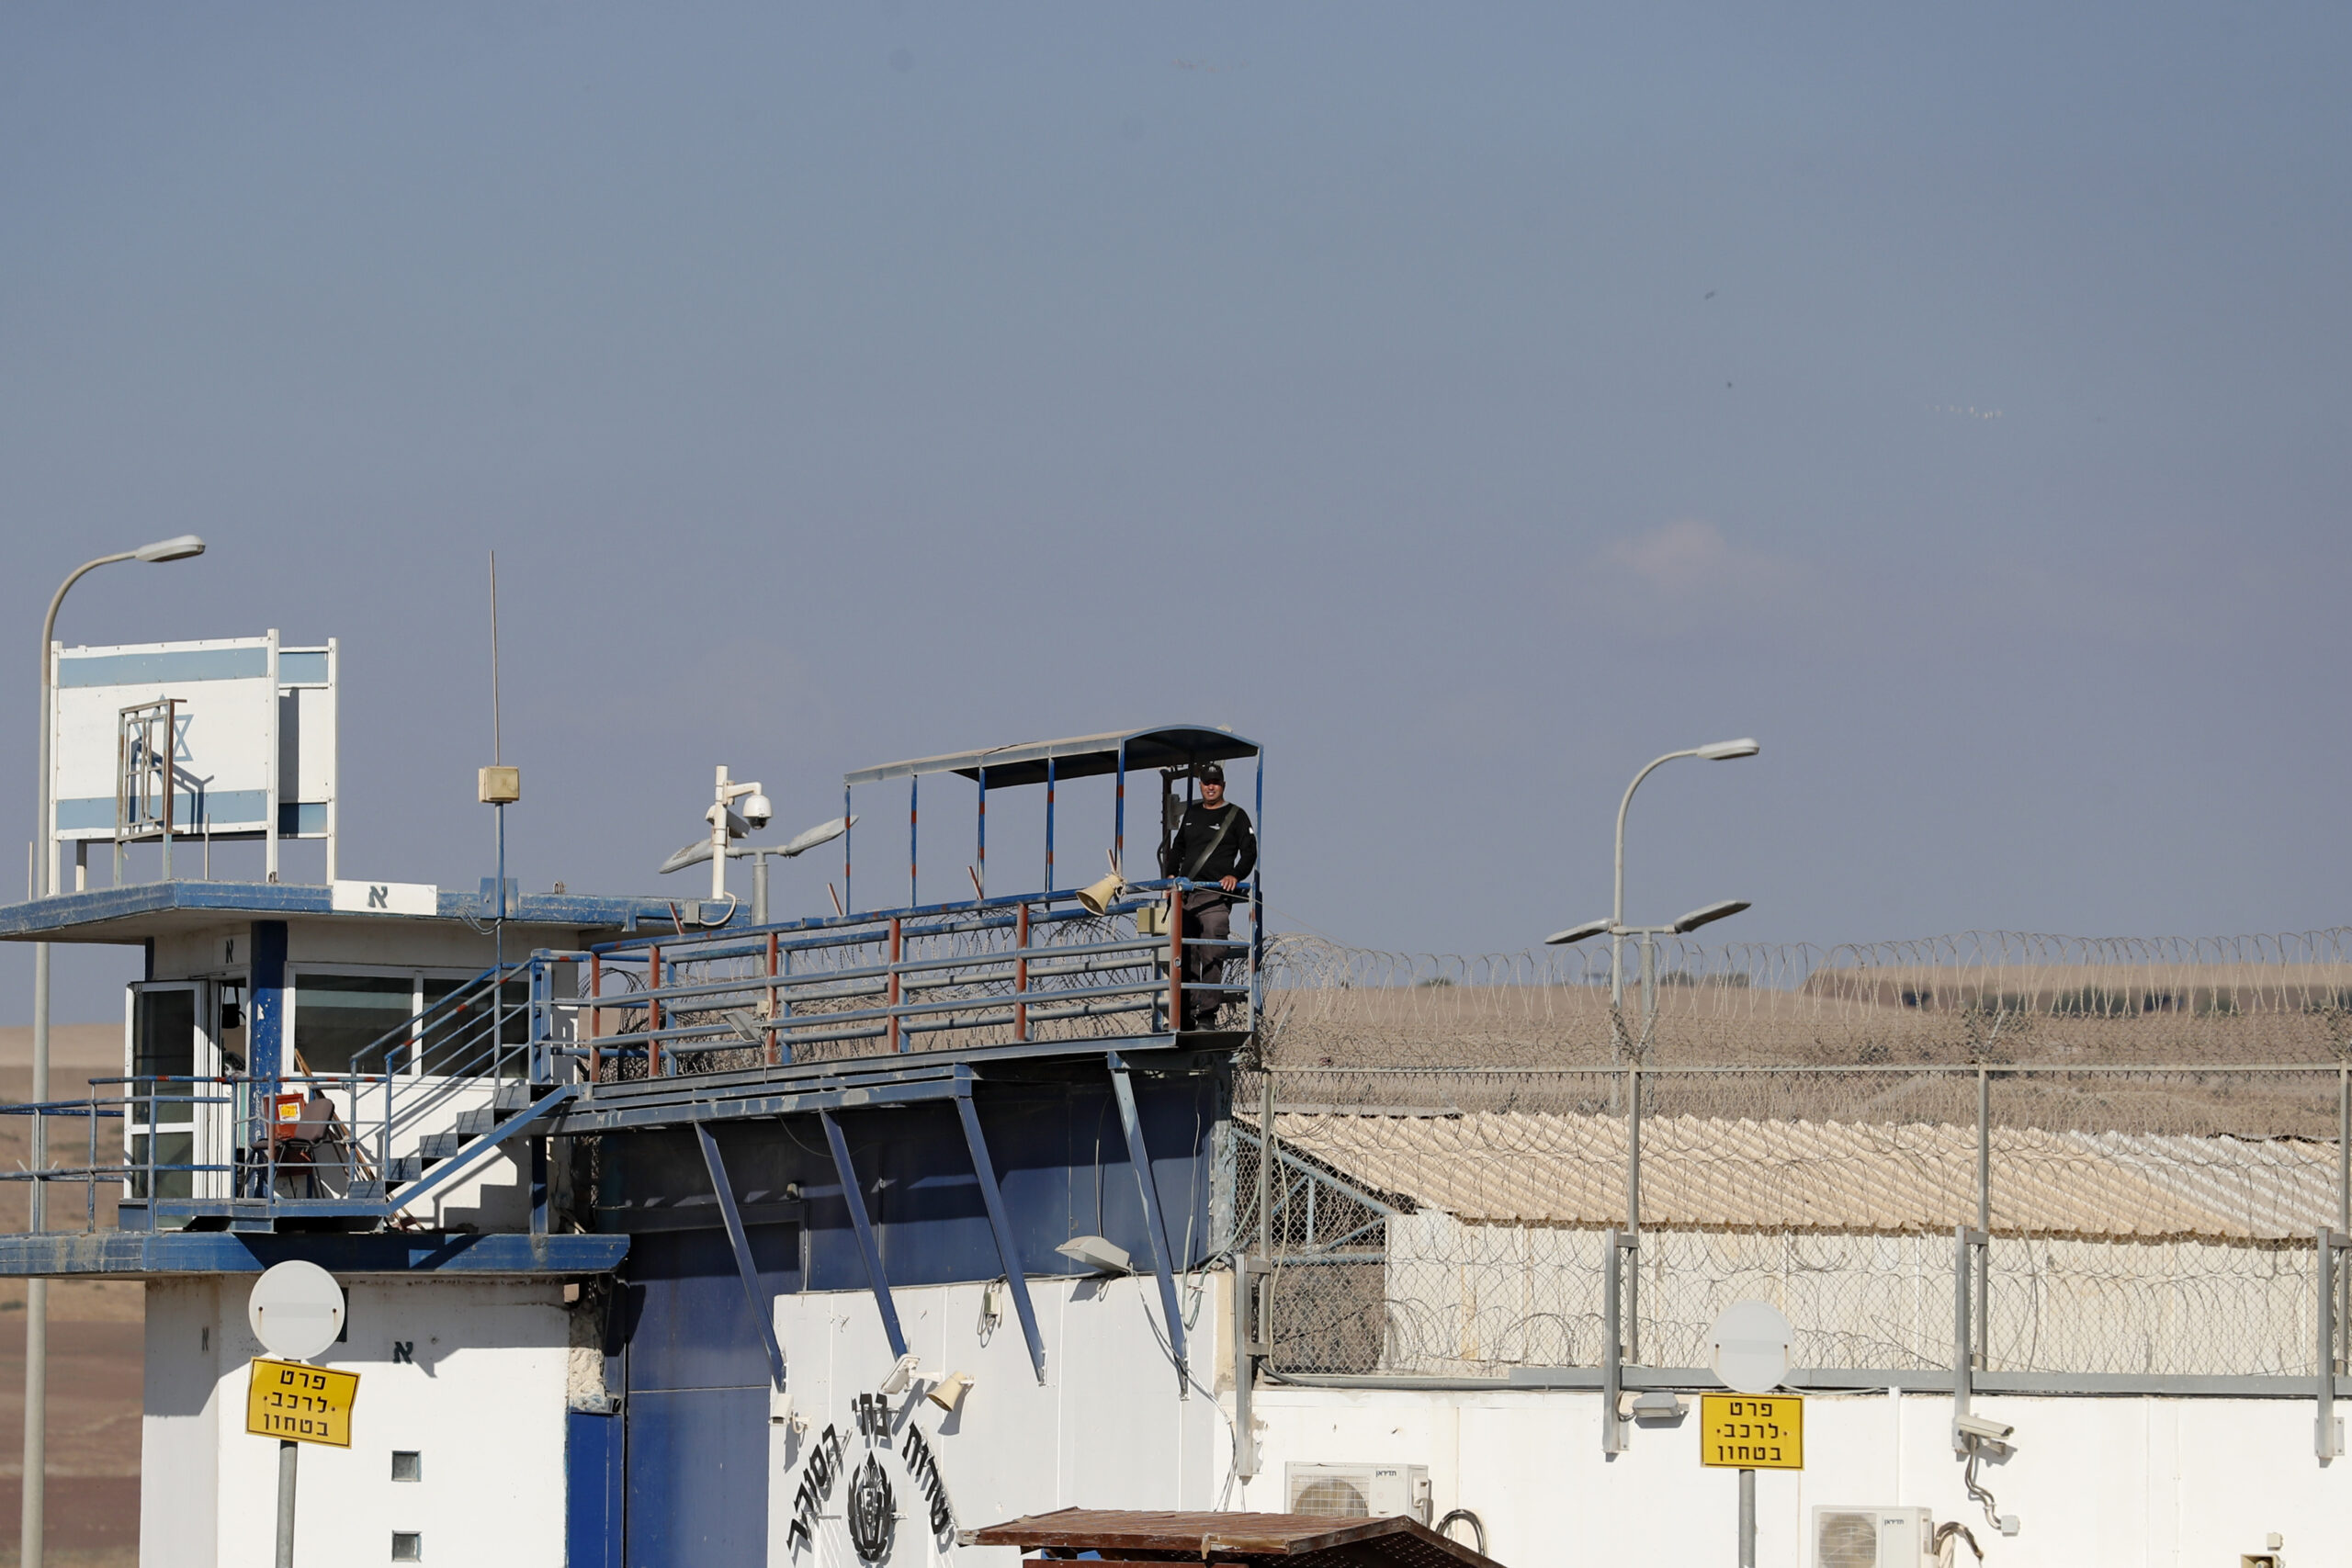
(901,1373)
(1978,1427)
(756,810)
(1098,1253)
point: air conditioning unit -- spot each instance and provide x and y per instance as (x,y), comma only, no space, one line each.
(1872,1538)
(1358,1491)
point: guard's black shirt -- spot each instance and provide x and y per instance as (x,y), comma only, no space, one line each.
(1235,855)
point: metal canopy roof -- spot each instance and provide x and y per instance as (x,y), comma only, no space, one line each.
(1163,746)
(142,909)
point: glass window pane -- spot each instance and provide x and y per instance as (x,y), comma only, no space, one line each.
(164,1045)
(338,1018)
(167,1036)
(171,1148)
(457,1039)
(231,1033)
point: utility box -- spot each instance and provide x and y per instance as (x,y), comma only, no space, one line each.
(1358,1491)
(1872,1538)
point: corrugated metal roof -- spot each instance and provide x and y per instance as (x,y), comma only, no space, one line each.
(1515,1168)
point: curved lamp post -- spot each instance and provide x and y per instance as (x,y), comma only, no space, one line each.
(1616,926)
(1622,1248)
(179,548)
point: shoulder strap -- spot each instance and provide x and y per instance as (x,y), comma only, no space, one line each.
(1201,856)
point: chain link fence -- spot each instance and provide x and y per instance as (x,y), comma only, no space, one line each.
(2146,1137)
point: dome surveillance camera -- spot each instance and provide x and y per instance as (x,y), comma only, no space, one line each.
(757,810)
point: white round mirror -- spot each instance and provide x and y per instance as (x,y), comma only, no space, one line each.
(1748,1347)
(296,1310)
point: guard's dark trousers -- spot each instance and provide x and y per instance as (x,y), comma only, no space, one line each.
(1204,965)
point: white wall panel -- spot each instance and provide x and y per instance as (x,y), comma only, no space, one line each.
(1106,1431)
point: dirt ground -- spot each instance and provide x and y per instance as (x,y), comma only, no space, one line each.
(94,1336)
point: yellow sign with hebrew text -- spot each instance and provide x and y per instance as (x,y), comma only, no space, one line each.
(1747,1431)
(299,1404)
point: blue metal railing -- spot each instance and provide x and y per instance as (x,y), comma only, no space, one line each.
(351,1143)
(1001,967)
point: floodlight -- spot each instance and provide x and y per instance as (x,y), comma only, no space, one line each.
(1576,934)
(693,854)
(1708,916)
(179,548)
(1098,1253)
(1724,751)
(822,833)
(901,1374)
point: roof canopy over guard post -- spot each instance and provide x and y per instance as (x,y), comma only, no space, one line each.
(1178,748)
(1082,756)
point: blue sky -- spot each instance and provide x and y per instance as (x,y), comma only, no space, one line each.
(1470,403)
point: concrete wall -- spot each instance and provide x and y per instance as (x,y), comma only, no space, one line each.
(2177,1482)
(482,1402)
(2186,1481)
(1106,1431)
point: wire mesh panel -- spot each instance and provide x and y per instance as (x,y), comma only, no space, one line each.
(1979,996)
(1453,1222)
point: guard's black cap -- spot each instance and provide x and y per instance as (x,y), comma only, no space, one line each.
(1210,773)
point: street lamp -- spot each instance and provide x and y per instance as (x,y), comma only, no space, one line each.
(1616,926)
(1716,751)
(1705,916)
(1621,1251)
(179,548)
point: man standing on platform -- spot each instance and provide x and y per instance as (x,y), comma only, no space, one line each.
(1213,843)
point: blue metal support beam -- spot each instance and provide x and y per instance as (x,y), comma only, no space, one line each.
(1008,1251)
(866,1247)
(763,1309)
(1162,1264)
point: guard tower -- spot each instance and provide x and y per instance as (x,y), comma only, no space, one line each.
(678,1191)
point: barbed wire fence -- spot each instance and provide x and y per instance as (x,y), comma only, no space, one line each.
(2148,1135)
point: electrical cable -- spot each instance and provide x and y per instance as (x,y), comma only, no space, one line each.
(1479,1527)
(1233,1465)
(1977,1491)
(1946,1535)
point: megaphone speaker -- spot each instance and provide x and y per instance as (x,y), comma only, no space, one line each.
(1098,898)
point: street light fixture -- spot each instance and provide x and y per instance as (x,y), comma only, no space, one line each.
(179,548)
(1708,916)
(1713,751)
(1618,931)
